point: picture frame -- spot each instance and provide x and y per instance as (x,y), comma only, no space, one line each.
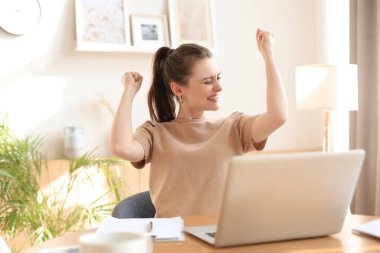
(192,21)
(102,25)
(149,31)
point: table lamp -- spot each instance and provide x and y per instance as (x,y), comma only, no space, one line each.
(327,87)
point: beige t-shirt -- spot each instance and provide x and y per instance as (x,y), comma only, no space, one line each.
(189,161)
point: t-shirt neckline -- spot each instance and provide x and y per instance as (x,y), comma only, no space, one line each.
(190,120)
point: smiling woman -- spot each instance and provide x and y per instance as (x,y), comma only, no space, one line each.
(201,91)
(189,153)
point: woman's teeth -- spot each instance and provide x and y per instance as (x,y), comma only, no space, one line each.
(213,98)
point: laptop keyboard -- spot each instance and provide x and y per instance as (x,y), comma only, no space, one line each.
(211,234)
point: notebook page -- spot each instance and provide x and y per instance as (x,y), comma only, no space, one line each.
(371,228)
(163,228)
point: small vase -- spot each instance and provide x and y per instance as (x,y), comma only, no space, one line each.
(73,141)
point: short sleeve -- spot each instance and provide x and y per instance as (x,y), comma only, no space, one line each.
(243,125)
(144,135)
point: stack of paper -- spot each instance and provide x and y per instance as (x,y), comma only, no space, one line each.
(3,246)
(371,228)
(163,229)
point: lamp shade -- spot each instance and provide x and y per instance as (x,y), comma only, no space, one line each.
(327,87)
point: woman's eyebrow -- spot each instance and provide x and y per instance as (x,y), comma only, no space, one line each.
(210,77)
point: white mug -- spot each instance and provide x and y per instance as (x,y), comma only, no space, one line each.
(115,243)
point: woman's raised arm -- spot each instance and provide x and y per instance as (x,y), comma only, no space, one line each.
(121,140)
(277,104)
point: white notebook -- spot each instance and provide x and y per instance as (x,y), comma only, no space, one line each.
(3,246)
(371,228)
(163,229)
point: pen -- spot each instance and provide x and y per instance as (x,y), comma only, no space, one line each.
(150,226)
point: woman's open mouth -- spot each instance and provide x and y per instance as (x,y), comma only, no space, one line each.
(213,98)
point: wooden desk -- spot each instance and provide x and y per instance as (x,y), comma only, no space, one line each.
(345,241)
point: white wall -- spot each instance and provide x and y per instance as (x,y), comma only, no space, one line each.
(46,85)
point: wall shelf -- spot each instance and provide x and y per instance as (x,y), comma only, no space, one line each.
(116,48)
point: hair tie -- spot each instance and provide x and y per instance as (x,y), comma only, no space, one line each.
(168,53)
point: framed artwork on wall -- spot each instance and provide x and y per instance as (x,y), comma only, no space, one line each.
(191,21)
(149,31)
(101,23)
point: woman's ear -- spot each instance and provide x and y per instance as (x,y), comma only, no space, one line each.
(176,89)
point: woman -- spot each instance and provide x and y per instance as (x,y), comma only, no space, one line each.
(189,153)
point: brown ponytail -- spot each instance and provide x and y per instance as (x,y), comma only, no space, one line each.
(171,65)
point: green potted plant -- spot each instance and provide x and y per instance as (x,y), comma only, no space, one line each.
(25,209)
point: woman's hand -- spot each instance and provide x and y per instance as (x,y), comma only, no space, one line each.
(132,80)
(265,41)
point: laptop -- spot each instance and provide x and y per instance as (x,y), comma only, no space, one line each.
(276,197)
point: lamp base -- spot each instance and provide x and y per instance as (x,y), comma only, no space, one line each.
(327,133)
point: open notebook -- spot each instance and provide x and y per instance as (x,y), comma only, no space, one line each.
(162,229)
(3,246)
(371,228)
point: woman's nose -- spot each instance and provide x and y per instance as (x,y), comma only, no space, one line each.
(217,86)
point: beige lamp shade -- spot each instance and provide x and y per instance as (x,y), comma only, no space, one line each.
(327,87)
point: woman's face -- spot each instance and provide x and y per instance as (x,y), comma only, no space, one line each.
(202,90)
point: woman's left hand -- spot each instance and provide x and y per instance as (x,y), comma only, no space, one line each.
(265,40)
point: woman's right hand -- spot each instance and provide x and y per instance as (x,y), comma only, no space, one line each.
(132,80)
(265,41)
